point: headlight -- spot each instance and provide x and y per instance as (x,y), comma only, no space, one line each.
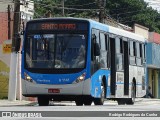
(28,78)
(80,78)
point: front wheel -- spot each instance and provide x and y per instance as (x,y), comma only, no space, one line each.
(42,101)
(100,101)
(88,100)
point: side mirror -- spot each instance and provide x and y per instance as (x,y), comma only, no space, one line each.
(18,43)
(96,49)
(93,37)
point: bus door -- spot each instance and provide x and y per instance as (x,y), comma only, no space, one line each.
(119,67)
(126,67)
(113,64)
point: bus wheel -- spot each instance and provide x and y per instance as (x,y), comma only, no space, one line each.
(88,101)
(100,101)
(79,102)
(121,101)
(131,100)
(42,101)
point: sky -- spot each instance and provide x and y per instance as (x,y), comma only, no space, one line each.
(155,4)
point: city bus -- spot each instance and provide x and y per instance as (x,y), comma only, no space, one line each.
(81,60)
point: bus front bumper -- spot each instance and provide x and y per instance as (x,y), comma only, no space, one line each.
(33,90)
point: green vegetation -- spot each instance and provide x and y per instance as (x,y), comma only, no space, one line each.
(125,11)
(4,80)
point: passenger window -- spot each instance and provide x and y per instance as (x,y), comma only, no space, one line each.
(103,42)
(119,45)
(138,50)
(132,52)
(134,48)
(119,54)
(104,60)
(96,32)
(143,53)
(138,57)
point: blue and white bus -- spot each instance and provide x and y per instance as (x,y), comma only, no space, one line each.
(81,60)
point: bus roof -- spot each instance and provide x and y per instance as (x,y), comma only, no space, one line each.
(127,34)
(101,26)
(117,31)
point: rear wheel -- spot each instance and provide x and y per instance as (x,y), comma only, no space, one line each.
(42,101)
(121,101)
(88,101)
(79,102)
(131,100)
(100,101)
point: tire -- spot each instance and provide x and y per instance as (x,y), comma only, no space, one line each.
(100,101)
(131,100)
(87,101)
(79,102)
(42,101)
(121,101)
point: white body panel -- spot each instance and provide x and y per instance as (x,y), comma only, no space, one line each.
(137,73)
(82,88)
(119,85)
(127,34)
(134,72)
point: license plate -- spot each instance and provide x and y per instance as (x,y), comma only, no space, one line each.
(53,90)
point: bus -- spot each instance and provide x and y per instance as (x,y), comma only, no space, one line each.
(81,60)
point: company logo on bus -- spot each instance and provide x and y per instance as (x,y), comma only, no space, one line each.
(51,26)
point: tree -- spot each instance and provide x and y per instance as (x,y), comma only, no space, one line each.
(42,7)
(124,11)
(134,11)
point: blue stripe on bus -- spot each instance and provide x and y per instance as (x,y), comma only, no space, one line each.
(123,83)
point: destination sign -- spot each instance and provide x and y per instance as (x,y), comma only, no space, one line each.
(56,26)
(50,26)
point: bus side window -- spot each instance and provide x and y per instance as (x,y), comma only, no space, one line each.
(132,53)
(138,56)
(119,54)
(107,48)
(103,56)
(143,54)
(94,54)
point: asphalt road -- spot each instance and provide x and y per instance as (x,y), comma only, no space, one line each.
(141,110)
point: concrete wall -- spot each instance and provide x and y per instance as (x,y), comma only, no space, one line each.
(141,30)
(154,37)
(153,54)
(153,82)
(4,26)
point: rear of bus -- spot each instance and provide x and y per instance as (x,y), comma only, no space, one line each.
(55,59)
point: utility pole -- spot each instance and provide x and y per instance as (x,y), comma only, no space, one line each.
(14,56)
(16,23)
(9,22)
(62,2)
(102,5)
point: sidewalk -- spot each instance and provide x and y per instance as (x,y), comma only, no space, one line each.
(7,103)
(147,99)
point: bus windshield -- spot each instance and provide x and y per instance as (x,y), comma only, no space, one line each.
(55,51)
